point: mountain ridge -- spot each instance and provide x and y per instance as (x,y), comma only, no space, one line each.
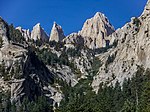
(32,66)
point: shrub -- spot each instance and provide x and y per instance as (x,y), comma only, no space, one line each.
(1,42)
(96,64)
(137,22)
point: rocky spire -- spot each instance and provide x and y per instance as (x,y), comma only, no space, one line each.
(95,30)
(38,33)
(57,33)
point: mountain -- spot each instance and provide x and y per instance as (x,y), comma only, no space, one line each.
(93,34)
(98,69)
(131,51)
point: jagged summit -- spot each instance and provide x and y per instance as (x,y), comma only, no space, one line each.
(93,26)
(57,33)
(93,34)
(38,33)
(95,30)
(100,15)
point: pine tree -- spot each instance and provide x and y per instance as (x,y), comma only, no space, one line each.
(128,107)
(145,98)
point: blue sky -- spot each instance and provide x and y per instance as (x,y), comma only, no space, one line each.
(70,14)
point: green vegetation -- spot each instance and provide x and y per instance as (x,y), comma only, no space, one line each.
(5,104)
(74,97)
(50,58)
(105,49)
(4,73)
(57,45)
(137,23)
(14,71)
(73,52)
(41,104)
(132,96)
(110,59)
(95,65)
(1,42)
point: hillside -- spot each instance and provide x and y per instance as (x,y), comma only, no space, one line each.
(98,69)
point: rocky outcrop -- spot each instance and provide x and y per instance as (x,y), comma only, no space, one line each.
(146,11)
(21,72)
(36,74)
(57,33)
(95,30)
(25,33)
(65,73)
(73,40)
(26,75)
(132,50)
(38,33)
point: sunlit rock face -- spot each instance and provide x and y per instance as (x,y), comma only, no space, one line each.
(57,33)
(146,11)
(38,33)
(95,30)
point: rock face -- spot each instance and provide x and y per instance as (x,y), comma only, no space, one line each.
(95,30)
(132,50)
(146,11)
(4,32)
(26,70)
(25,33)
(38,33)
(24,75)
(36,74)
(57,33)
(73,39)
(93,34)
(66,74)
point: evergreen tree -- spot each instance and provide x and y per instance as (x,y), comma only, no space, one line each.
(128,107)
(145,98)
